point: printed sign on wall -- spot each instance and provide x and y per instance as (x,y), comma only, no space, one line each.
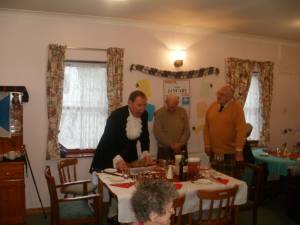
(180,88)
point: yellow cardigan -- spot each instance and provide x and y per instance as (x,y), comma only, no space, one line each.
(225,132)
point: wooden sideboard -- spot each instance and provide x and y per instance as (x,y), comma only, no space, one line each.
(12,193)
(12,184)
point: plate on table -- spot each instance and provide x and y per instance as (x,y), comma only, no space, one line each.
(116,179)
(264,154)
(110,170)
(204,167)
(202,181)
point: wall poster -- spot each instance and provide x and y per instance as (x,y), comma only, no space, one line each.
(11,114)
(181,88)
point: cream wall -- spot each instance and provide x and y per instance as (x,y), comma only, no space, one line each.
(24,38)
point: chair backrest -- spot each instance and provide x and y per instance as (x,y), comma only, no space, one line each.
(52,190)
(67,170)
(253,175)
(176,219)
(66,211)
(216,207)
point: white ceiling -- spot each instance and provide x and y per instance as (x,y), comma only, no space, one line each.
(276,19)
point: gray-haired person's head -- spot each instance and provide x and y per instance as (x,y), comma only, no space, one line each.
(152,196)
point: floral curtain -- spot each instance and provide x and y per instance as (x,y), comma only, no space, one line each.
(114,78)
(266,90)
(238,75)
(55,76)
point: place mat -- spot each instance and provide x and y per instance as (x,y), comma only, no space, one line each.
(123,185)
(282,154)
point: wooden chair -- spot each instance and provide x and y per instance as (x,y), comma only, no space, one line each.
(220,206)
(293,194)
(74,210)
(253,175)
(176,218)
(67,173)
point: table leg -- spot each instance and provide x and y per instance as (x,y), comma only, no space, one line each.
(235,215)
(100,192)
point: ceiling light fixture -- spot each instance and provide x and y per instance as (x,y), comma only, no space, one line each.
(177,57)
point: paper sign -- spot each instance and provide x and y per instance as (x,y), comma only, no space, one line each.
(201,109)
(144,86)
(205,88)
(150,109)
(4,114)
(180,88)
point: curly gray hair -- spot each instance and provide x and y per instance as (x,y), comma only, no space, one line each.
(152,196)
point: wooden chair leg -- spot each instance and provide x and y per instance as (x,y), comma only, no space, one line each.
(190,219)
(254,216)
(235,215)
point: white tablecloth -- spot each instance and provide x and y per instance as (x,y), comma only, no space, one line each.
(125,212)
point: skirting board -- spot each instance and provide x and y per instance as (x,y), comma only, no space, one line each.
(33,211)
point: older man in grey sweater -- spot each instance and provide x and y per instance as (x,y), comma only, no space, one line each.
(171,128)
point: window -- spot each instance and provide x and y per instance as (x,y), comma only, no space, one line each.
(252,108)
(84,107)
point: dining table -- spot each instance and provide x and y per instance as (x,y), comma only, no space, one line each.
(123,188)
(278,163)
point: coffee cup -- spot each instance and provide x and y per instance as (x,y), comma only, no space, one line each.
(11,155)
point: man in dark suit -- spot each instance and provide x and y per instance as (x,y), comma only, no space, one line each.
(124,127)
(117,146)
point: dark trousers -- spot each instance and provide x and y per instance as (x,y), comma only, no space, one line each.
(168,153)
(227,165)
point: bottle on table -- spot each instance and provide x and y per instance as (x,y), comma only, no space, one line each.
(183,166)
(177,162)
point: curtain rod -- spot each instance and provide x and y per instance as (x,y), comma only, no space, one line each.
(87,49)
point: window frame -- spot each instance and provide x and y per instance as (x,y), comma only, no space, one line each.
(78,153)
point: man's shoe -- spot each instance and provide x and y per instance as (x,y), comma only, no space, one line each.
(113,220)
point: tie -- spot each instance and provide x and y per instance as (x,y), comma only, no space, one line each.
(221,108)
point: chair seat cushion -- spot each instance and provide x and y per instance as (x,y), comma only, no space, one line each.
(75,209)
(77,189)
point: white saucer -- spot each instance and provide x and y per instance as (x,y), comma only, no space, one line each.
(110,170)
(116,179)
(202,181)
(264,154)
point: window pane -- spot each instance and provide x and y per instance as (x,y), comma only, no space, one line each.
(85,106)
(252,108)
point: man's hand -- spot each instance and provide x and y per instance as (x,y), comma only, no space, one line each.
(148,160)
(176,147)
(239,156)
(207,150)
(121,165)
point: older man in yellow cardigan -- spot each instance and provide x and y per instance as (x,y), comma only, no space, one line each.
(225,132)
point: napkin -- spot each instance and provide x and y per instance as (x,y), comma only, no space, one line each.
(123,185)
(221,180)
(294,155)
(177,186)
